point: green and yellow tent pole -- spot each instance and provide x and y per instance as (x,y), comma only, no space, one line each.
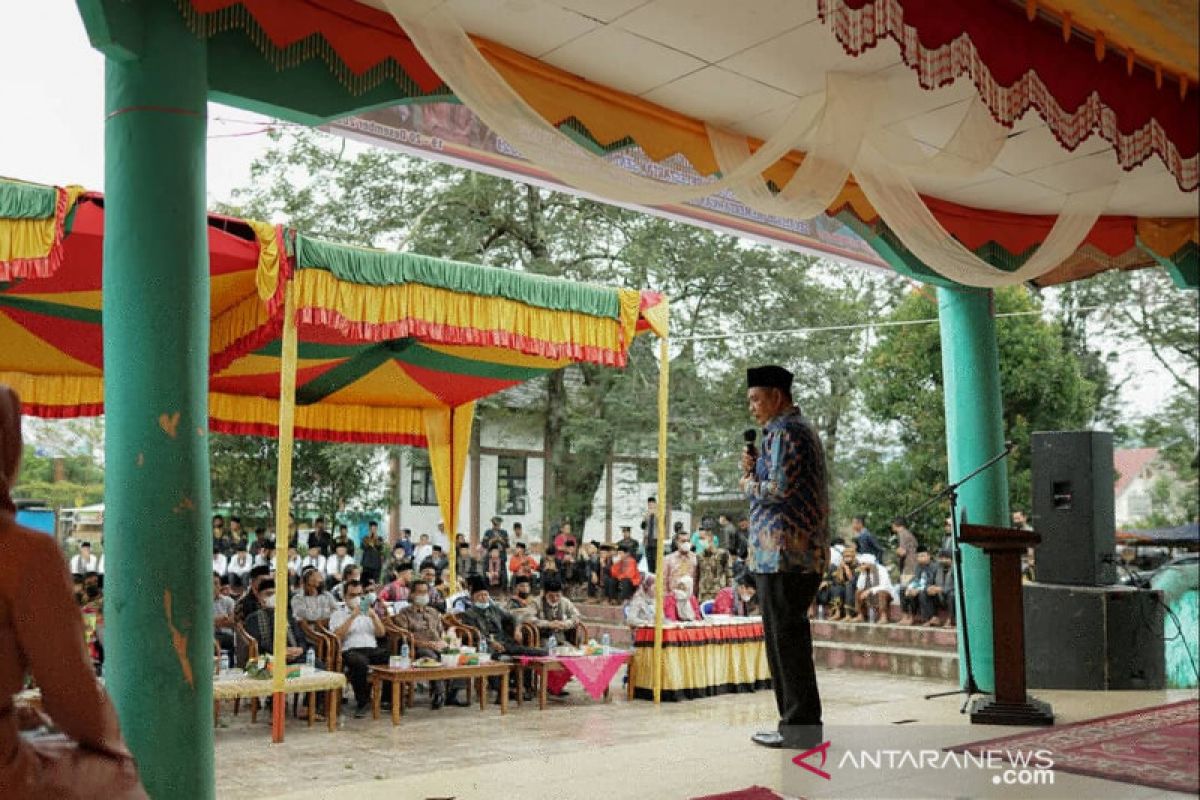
(283,511)
(664,380)
(452,518)
(159,643)
(974,434)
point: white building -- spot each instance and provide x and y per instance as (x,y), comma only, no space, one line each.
(1145,485)
(505,477)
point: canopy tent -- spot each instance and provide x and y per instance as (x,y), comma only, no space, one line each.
(981,202)
(308,338)
(1180,535)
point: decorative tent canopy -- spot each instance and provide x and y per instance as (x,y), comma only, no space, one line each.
(614,111)
(384,338)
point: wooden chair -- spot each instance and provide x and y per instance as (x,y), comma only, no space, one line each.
(398,635)
(244,639)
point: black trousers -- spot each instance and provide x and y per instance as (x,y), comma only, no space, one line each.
(358,662)
(785,598)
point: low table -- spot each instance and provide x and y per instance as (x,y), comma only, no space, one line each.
(594,673)
(381,674)
(235,687)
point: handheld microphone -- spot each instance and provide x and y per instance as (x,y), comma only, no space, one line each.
(750,436)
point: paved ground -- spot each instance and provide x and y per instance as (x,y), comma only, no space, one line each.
(580,749)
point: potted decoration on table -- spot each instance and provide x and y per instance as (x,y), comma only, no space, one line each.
(263,668)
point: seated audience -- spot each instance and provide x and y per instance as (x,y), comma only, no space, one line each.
(837,591)
(623,577)
(495,570)
(240,563)
(358,627)
(335,565)
(680,605)
(220,564)
(399,589)
(223,620)
(495,625)
(520,605)
(249,603)
(312,603)
(436,598)
(521,565)
(873,589)
(261,626)
(351,572)
(425,624)
(740,600)
(556,615)
(680,563)
(940,592)
(640,608)
(913,600)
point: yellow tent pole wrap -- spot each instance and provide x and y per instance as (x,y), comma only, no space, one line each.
(664,381)
(283,497)
(448,439)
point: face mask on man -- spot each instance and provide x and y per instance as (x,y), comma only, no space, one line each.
(684,547)
(523,594)
(269,601)
(483,605)
(420,600)
(682,595)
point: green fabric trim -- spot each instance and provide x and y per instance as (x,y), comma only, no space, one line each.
(20,200)
(379,268)
(349,371)
(56,310)
(314,350)
(426,358)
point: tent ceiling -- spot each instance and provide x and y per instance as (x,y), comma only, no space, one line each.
(716,61)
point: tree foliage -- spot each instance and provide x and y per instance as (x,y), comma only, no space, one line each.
(1042,384)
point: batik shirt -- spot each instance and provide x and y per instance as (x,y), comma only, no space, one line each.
(789,505)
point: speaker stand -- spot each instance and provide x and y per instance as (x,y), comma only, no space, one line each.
(987,710)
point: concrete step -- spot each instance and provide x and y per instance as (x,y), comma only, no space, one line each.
(917,637)
(593,612)
(913,662)
(621,635)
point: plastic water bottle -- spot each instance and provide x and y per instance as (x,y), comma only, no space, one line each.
(310,659)
(606,642)
(405,658)
(551,643)
(223,664)
(871,614)
(483,647)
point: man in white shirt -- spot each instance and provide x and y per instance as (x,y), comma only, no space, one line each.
(223,618)
(84,562)
(423,550)
(873,589)
(336,564)
(240,563)
(220,565)
(266,554)
(313,559)
(358,627)
(682,562)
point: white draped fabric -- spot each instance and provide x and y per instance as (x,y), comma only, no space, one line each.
(840,137)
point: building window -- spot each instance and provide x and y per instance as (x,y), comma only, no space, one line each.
(421,485)
(511,487)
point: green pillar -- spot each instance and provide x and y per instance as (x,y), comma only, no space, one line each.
(159,635)
(974,434)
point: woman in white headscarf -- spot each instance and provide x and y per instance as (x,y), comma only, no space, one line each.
(640,608)
(681,604)
(42,634)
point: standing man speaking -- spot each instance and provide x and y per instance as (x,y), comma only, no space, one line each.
(788,549)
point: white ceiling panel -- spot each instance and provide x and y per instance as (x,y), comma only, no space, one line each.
(605,55)
(713,30)
(719,96)
(1036,149)
(796,61)
(531,26)
(602,10)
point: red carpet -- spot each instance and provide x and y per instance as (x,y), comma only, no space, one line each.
(752,793)
(1158,747)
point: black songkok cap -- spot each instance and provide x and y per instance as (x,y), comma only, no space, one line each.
(769,377)
(476,583)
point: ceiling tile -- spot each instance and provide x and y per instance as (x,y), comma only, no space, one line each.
(718,96)
(1079,174)
(618,59)
(1036,148)
(716,29)
(1009,194)
(905,98)
(1150,190)
(796,60)
(525,25)
(602,10)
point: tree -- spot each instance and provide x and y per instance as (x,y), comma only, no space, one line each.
(327,478)
(1042,387)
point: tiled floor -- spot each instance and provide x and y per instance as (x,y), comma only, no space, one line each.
(580,749)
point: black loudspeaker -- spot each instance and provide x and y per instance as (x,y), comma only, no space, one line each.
(1073,507)
(1093,637)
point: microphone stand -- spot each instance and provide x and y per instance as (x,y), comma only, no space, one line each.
(951,492)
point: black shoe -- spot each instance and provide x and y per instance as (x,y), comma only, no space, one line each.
(361,710)
(438,701)
(454,700)
(776,740)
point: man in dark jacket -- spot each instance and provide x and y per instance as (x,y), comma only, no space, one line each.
(371,557)
(940,593)
(495,625)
